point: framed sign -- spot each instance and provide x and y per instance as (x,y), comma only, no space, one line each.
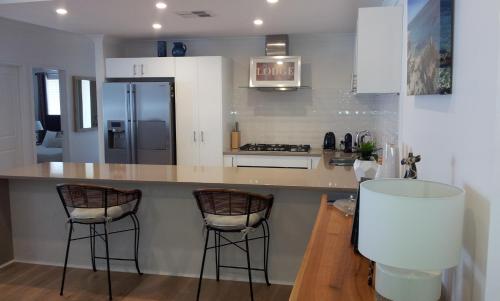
(275,71)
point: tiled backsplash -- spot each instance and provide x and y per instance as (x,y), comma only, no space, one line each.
(303,116)
(306,117)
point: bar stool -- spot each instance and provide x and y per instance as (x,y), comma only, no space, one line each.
(228,210)
(99,205)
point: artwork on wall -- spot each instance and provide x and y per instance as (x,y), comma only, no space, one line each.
(430,47)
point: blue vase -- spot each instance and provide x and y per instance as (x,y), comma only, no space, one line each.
(162,48)
(179,49)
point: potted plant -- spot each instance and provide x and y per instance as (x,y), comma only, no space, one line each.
(367,151)
(366,165)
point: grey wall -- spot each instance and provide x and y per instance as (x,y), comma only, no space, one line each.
(31,46)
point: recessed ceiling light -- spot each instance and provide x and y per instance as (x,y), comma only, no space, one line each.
(163,5)
(157,26)
(279,62)
(272,1)
(61,11)
(258,22)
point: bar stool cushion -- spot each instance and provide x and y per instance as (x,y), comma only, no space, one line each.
(96,215)
(233,222)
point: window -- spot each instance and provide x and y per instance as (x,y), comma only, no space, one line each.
(53,96)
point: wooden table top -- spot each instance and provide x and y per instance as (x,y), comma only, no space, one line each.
(330,269)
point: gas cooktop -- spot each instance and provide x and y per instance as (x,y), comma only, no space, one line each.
(302,148)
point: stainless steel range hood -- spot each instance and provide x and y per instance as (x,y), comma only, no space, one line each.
(277,45)
(277,71)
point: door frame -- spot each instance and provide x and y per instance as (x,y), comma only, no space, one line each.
(64,103)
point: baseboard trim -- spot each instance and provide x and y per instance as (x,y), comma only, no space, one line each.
(151,272)
(7,263)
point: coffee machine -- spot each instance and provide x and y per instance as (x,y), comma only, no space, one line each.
(348,143)
(329,142)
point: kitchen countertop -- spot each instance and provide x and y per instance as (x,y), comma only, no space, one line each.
(314,152)
(334,178)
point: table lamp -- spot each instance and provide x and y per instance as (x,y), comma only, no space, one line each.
(38,129)
(38,126)
(412,229)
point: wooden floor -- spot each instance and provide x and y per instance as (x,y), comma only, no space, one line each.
(23,282)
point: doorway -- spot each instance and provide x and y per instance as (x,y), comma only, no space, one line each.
(48,94)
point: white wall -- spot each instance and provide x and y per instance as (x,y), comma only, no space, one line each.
(31,46)
(300,117)
(457,140)
(493,270)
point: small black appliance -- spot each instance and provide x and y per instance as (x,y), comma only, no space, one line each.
(348,143)
(329,142)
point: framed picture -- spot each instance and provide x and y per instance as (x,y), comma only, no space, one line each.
(275,71)
(430,47)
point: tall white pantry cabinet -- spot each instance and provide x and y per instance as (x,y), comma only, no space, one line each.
(202,104)
(203,90)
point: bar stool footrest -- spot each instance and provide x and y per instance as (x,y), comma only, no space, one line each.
(240,268)
(113,258)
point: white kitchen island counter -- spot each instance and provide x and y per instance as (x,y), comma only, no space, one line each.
(171,224)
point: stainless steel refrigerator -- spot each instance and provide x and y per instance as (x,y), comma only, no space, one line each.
(139,121)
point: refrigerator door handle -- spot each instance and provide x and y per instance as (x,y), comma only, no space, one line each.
(194,136)
(128,122)
(133,122)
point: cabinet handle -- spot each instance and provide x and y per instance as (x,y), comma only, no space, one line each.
(194,136)
(142,69)
(135,69)
(202,137)
(354,83)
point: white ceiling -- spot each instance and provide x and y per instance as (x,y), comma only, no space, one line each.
(133,18)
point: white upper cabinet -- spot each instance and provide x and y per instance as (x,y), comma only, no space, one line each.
(140,67)
(378,50)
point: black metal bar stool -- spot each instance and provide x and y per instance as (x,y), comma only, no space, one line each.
(99,205)
(227,210)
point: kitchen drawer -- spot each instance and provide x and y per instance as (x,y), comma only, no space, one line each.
(299,162)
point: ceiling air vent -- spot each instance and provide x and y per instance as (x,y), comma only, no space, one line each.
(195,14)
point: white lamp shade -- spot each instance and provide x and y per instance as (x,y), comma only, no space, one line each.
(411,224)
(38,126)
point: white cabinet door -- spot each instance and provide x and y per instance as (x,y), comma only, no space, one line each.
(228,160)
(187,135)
(11,151)
(379,50)
(210,110)
(140,67)
(315,162)
(121,68)
(156,67)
